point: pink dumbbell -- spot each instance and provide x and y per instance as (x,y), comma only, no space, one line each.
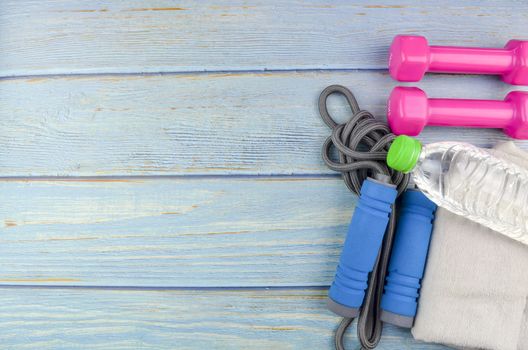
(409,111)
(411,56)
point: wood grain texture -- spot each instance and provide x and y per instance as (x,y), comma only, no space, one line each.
(128,319)
(182,124)
(173,232)
(65,36)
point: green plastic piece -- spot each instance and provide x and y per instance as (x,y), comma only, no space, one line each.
(404,153)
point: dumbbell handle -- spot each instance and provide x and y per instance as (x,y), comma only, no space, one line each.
(469,113)
(452,59)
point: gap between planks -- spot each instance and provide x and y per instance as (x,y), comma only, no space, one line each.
(137,178)
(163,288)
(184,72)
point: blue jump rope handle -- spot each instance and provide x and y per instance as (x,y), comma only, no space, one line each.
(408,256)
(362,244)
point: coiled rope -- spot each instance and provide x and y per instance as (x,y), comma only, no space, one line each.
(362,144)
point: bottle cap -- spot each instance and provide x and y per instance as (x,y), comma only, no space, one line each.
(404,153)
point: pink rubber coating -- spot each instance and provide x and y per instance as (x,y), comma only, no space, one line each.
(409,111)
(411,57)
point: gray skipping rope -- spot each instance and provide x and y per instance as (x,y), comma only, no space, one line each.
(362,144)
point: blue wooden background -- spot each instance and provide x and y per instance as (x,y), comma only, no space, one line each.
(161,183)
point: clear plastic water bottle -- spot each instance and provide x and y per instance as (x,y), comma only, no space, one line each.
(467,181)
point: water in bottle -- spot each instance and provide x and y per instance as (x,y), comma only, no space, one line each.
(467,181)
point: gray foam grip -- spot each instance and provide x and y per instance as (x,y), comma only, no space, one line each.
(342,310)
(397,320)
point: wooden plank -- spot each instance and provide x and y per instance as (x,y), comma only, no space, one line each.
(65,36)
(135,319)
(229,123)
(173,232)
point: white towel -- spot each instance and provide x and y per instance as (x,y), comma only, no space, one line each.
(475,288)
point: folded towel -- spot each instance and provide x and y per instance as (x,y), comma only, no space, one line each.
(475,288)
